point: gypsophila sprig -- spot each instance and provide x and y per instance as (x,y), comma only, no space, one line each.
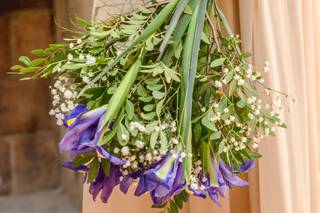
(160,96)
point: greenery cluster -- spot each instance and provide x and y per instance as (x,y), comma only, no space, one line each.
(146,67)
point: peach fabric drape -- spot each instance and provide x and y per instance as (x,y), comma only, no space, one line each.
(286,33)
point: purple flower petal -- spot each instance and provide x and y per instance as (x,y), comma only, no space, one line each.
(72,119)
(125,184)
(110,182)
(106,155)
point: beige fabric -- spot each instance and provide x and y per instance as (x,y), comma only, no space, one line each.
(285,32)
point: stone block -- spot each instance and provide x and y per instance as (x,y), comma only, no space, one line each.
(5,168)
(35,162)
(29,29)
(4,45)
(24,106)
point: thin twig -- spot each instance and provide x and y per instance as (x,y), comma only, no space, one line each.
(158,4)
(214,31)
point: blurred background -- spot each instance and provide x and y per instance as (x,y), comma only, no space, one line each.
(31,177)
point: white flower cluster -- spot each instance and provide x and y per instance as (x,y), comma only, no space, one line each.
(63,99)
(138,126)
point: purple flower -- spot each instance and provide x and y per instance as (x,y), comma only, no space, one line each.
(104,184)
(84,132)
(225,180)
(82,169)
(163,180)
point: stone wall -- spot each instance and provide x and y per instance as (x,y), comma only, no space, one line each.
(29,159)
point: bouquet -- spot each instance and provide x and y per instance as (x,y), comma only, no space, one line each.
(161,96)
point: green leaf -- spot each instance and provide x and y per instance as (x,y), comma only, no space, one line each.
(122,131)
(149,107)
(254,155)
(221,147)
(241,104)
(142,91)
(229,76)
(158,95)
(217,62)
(82,159)
(151,127)
(29,69)
(155,87)
(153,139)
(206,121)
(171,74)
(105,166)
(146,99)
(247,87)
(121,94)
(38,61)
(159,107)
(83,22)
(73,66)
(253,123)
(39,52)
(205,38)
(129,107)
(215,135)
(163,142)
(17,67)
(148,116)
(180,8)
(93,170)
(188,10)
(25,60)
(149,44)
(232,87)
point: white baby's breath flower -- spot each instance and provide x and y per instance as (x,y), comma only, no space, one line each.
(236,77)
(91,59)
(67,94)
(224,81)
(241,82)
(255,145)
(86,80)
(148,157)
(59,122)
(218,84)
(183,155)
(227,122)
(71,45)
(116,150)
(139,144)
(70,57)
(79,41)
(81,57)
(232,118)
(125,151)
(174,141)
(124,137)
